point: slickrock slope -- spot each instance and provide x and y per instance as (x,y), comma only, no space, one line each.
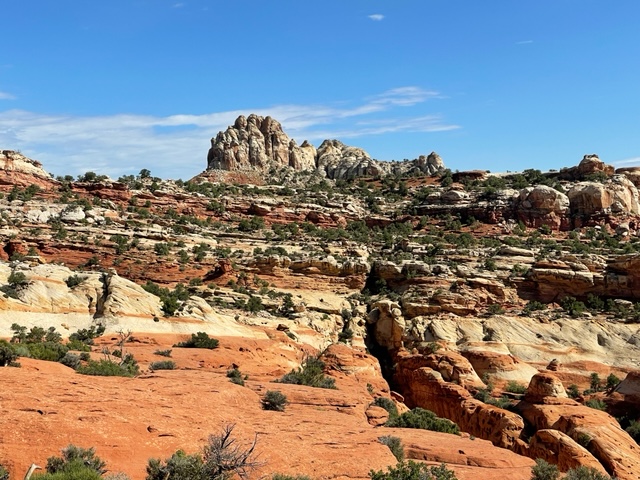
(322,433)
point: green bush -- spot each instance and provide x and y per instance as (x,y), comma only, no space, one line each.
(50,351)
(280,476)
(199,340)
(543,470)
(596,403)
(4,473)
(179,466)
(163,365)
(424,419)
(236,376)
(128,367)
(634,430)
(586,473)
(75,280)
(388,404)
(274,400)
(572,306)
(86,335)
(515,387)
(72,457)
(395,445)
(311,374)
(413,471)
(163,353)
(71,360)
(573,391)
(7,353)
(533,306)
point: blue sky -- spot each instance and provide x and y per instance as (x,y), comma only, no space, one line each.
(120,85)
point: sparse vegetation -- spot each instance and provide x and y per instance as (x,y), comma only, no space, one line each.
(274,400)
(163,365)
(199,340)
(424,419)
(413,471)
(310,373)
(395,445)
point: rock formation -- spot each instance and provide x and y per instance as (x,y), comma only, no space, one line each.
(258,144)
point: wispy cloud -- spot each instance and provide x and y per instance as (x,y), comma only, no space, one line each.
(628,162)
(524,42)
(178,5)
(176,146)
(376,17)
(7,96)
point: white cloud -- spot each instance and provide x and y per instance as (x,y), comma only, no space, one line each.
(176,146)
(524,42)
(7,96)
(376,17)
(178,5)
(628,162)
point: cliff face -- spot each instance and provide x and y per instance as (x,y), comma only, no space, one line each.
(258,144)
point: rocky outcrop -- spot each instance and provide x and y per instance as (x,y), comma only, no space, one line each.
(424,387)
(590,165)
(542,205)
(551,280)
(546,407)
(387,323)
(560,449)
(258,144)
(21,171)
(619,195)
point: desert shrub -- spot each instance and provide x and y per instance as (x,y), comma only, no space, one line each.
(572,306)
(74,280)
(274,400)
(573,391)
(543,470)
(495,309)
(17,278)
(236,376)
(583,439)
(127,367)
(281,476)
(612,381)
(223,457)
(86,335)
(388,404)
(71,360)
(78,346)
(199,340)
(4,473)
(163,365)
(163,353)
(424,419)
(7,353)
(596,403)
(594,382)
(179,466)
(515,387)
(413,471)
(586,473)
(311,374)
(533,306)
(395,445)
(634,430)
(50,351)
(71,456)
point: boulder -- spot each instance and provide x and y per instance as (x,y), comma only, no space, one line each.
(542,205)
(619,195)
